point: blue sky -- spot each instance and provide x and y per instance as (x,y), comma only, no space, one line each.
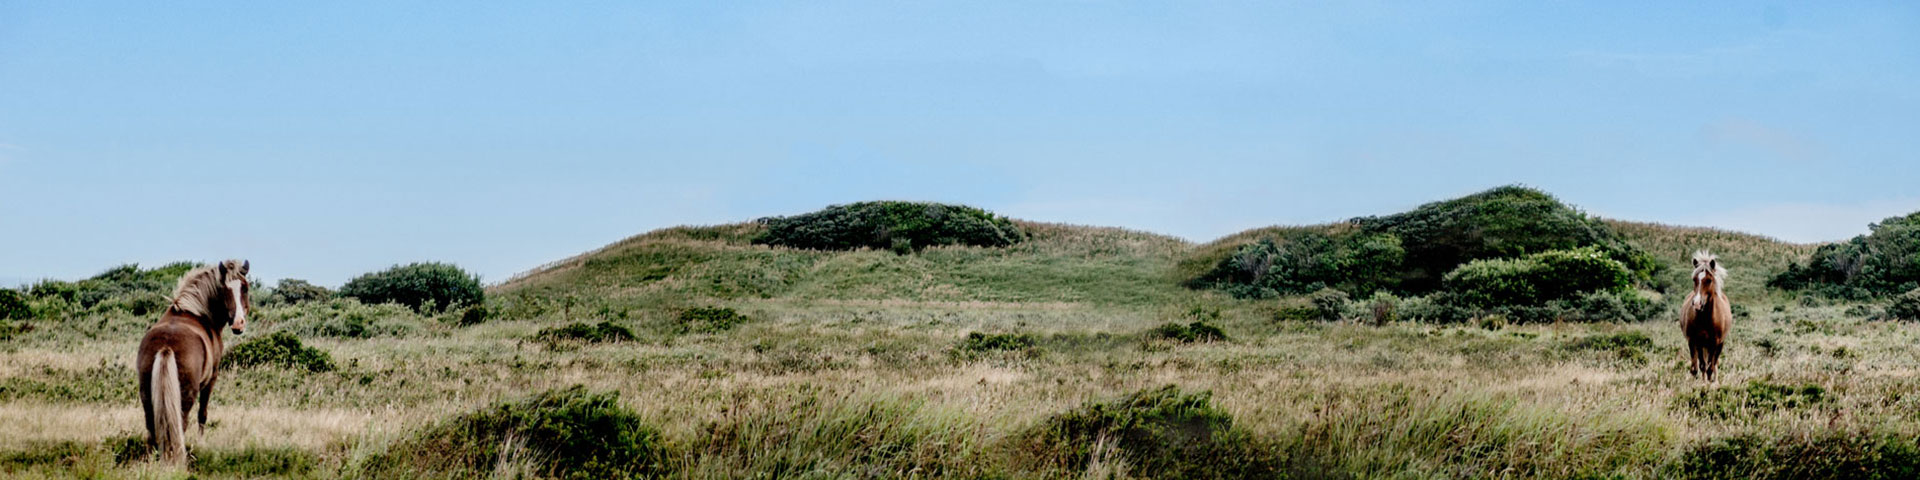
(326,139)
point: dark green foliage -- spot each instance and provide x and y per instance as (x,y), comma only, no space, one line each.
(253,462)
(281,349)
(900,226)
(709,319)
(581,332)
(1829,455)
(127,447)
(1885,261)
(1198,331)
(1612,341)
(13,305)
(572,432)
(1304,262)
(474,315)
(1756,398)
(125,288)
(1535,279)
(43,454)
(1411,252)
(294,291)
(977,343)
(426,287)
(1504,222)
(1906,306)
(1163,433)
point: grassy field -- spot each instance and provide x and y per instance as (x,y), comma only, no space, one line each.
(858,365)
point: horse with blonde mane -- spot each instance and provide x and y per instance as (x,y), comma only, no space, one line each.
(1706,316)
(181,353)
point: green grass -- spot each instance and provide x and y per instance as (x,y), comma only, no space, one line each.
(1038,360)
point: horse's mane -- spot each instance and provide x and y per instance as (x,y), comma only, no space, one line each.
(196,290)
(1703,258)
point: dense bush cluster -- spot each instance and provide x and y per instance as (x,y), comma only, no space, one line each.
(1885,261)
(293,291)
(568,433)
(900,226)
(1162,433)
(1535,279)
(1832,454)
(1307,261)
(426,287)
(280,349)
(978,343)
(126,288)
(13,305)
(1906,306)
(1751,400)
(1411,253)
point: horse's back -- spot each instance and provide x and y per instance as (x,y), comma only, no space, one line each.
(184,337)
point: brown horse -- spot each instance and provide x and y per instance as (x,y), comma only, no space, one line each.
(181,352)
(1706,316)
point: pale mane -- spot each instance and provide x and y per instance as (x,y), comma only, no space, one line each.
(196,290)
(1702,258)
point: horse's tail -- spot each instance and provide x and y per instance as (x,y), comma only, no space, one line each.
(169,420)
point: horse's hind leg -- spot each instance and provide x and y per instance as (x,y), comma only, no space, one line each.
(206,397)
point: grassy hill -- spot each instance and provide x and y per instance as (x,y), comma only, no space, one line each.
(710,356)
(1094,266)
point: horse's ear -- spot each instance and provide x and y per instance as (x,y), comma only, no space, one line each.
(1713,264)
(244,266)
(223,270)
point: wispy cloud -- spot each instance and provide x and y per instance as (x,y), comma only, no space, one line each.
(1778,141)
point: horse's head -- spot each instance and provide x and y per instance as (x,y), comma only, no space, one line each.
(1706,273)
(235,293)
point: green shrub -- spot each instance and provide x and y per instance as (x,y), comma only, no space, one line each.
(13,305)
(985,342)
(1885,261)
(581,332)
(474,315)
(1198,331)
(422,286)
(344,318)
(281,349)
(568,433)
(900,226)
(1753,399)
(1162,433)
(293,291)
(126,288)
(1536,279)
(709,320)
(1330,303)
(1833,454)
(1504,222)
(1906,306)
(1306,261)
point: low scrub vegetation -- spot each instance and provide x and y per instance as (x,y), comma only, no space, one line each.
(345,318)
(1158,433)
(280,349)
(708,320)
(1412,253)
(903,227)
(294,291)
(1196,331)
(1753,399)
(426,287)
(1879,263)
(126,289)
(1825,455)
(563,433)
(587,333)
(978,343)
